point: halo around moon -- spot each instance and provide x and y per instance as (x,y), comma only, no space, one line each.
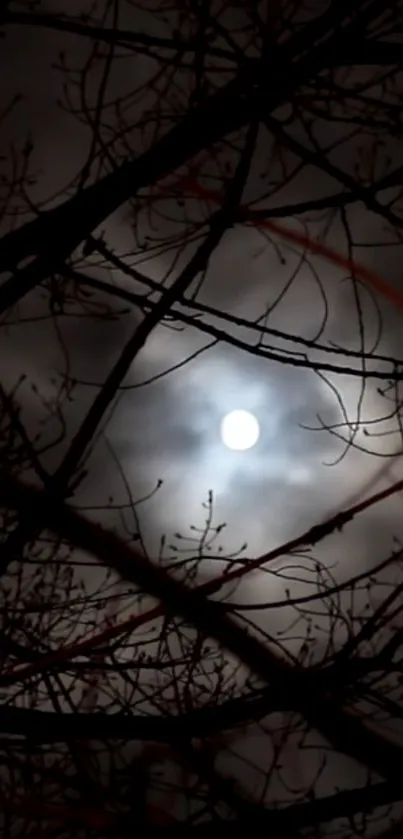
(239,430)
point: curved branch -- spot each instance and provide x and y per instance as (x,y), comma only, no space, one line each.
(340,727)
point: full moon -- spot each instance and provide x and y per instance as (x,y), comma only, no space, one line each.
(239,430)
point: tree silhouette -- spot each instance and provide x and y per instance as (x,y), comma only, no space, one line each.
(145,692)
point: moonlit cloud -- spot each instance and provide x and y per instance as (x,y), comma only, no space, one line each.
(169,429)
(165,425)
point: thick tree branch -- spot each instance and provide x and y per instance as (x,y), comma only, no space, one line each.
(310,537)
(59,482)
(57,233)
(119,37)
(40,726)
(341,728)
(274,354)
(218,226)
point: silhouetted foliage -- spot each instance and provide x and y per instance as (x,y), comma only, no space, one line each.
(158,691)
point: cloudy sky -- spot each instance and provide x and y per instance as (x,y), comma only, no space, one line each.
(169,429)
(165,426)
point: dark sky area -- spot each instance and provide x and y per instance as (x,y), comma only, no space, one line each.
(170,429)
(165,426)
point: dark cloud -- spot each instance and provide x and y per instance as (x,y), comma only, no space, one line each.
(169,429)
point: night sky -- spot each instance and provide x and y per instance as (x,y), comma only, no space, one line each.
(165,425)
(169,429)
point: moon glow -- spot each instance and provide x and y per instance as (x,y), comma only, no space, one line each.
(239,430)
